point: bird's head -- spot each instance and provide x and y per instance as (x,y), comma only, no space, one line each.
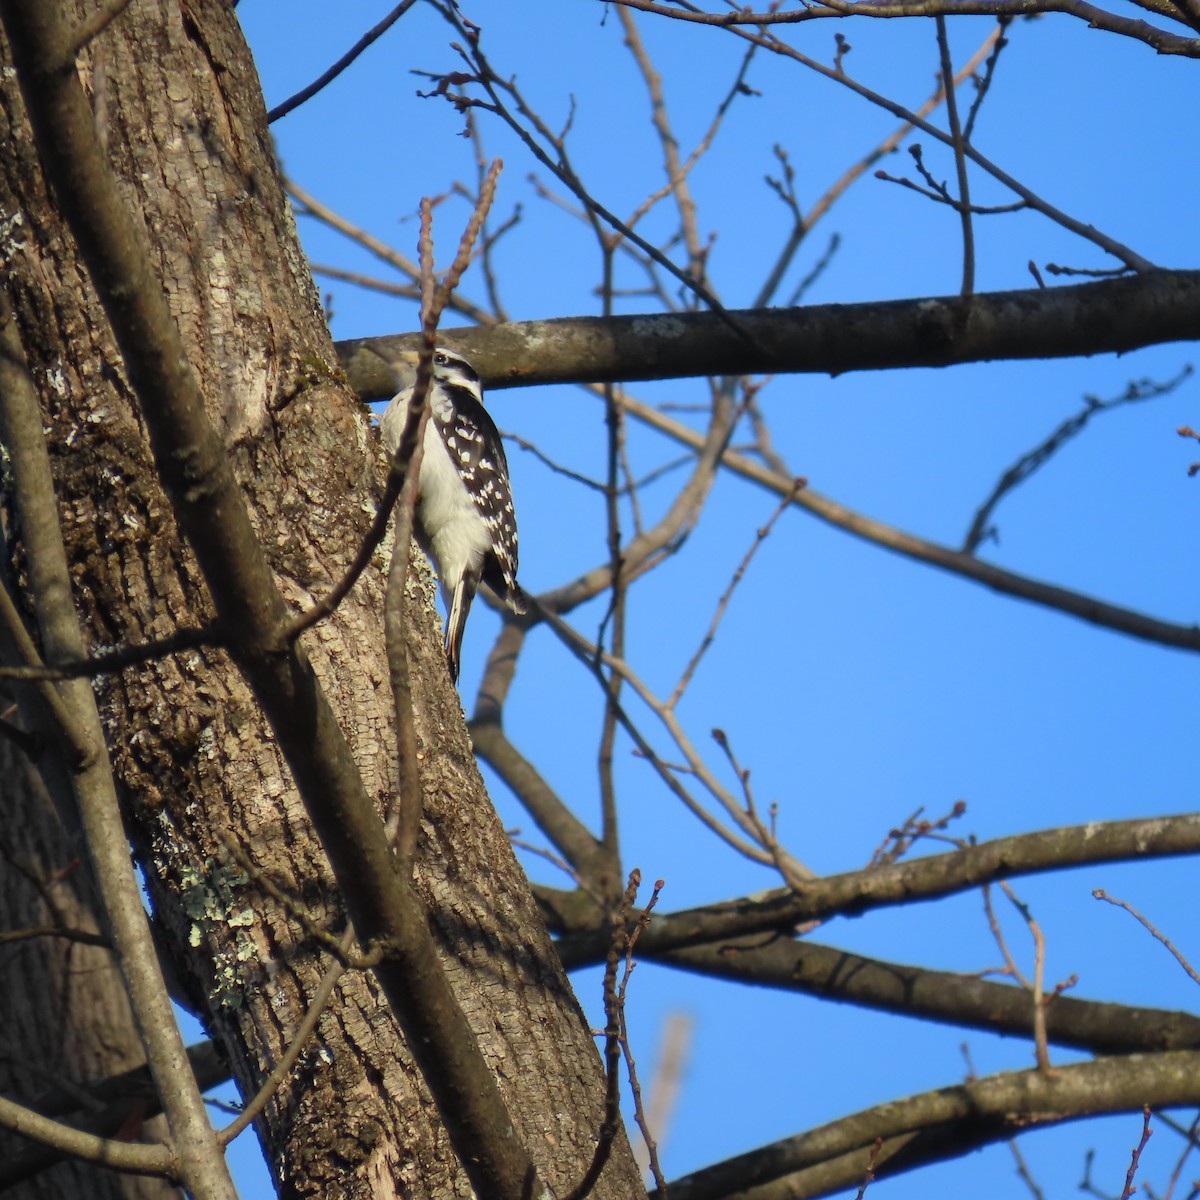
(449,368)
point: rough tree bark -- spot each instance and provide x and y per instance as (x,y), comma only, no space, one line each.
(211,807)
(66,1017)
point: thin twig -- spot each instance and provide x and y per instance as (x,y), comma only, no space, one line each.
(109,662)
(869,1173)
(983,84)
(1188,1147)
(385,253)
(1129,257)
(483,75)
(1135,1157)
(1101,894)
(939,194)
(767,835)
(761,535)
(1010,963)
(326,77)
(407,462)
(91,27)
(960,162)
(1144,389)
(802,228)
(299,1039)
(900,840)
(614,427)
(410,444)
(677,172)
(403,291)
(546,461)
(635,1087)
(555,860)
(1023,1172)
(84,937)
(491,282)
(591,654)
(611,1121)
(1037,987)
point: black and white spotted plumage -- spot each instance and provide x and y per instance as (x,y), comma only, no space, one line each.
(464,517)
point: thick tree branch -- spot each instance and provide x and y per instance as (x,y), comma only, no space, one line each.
(943,996)
(115,1099)
(921,879)
(1110,317)
(89,1147)
(586,854)
(944,1124)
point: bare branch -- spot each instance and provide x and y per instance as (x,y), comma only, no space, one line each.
(326,77)
(1028,463)
(710,634)
(750,844)
(84,937)
(1096,18)
(493,85)
(109,662)
(406,266)
(1135,1157)
(763,37)
(1036,989)
(924,878)
(950,1121)
(803,226)
(960,162)
(106,1112)
(614,1001)
(135,1158)
(1101,894)
(1112,316)
(834,973)
(968,566)
(635,1087)
(299,1040)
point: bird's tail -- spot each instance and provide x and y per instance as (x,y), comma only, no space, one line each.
(518,599)
(456,622)
(507,589)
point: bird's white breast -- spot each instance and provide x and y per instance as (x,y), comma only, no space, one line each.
(461,540)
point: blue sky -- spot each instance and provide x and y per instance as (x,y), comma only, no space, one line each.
(857,685)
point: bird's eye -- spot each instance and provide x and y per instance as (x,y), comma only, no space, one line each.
(440,359)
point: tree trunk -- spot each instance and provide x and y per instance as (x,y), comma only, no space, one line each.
(66,1018)
(235,872)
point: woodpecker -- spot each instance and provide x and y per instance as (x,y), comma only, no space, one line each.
(464,515)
